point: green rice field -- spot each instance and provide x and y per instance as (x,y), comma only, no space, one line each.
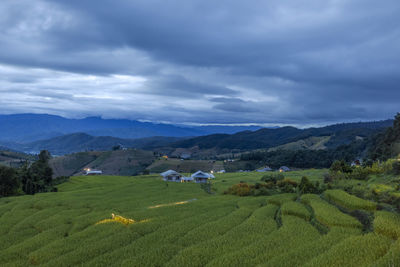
(180,224)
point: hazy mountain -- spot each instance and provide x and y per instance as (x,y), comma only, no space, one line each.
(25,128)
(78,142)
(267,138)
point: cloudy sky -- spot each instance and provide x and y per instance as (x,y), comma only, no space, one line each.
(299,62)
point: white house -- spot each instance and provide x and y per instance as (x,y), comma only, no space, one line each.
(93,172)
(202,177)
(266,169)
(186,179)
(171,176)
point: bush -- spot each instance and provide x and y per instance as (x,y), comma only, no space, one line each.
(359,173)
(307,187)
(272,177)
(241,189)
(287,185)
(396,167)
(340,166)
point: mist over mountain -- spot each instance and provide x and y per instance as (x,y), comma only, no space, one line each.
(24,128)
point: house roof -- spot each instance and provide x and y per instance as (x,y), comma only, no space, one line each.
(169,172)
(200,174)
(265,169)
(284,168)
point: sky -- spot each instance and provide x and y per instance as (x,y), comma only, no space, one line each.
(292,62)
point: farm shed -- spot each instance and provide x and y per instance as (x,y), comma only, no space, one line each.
(266,169)
(93,172)
(186,179)
(202,177)
(171,176)
(284,169)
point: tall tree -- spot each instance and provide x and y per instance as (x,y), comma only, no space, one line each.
(9,182)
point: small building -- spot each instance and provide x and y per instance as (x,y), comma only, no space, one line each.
(93,172)
(284,169)
(356,163)
(171,176)
(221,171)
(202,177)
(266,169)
(185,179)
(185,155)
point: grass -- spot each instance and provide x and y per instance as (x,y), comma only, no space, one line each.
(349,202)
(181,225)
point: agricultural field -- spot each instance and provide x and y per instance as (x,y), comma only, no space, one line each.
(143,221)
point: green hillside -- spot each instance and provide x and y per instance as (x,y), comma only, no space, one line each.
(14,159)
(182,225)
(119,162)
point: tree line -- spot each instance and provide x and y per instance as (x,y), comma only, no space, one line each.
(29,179)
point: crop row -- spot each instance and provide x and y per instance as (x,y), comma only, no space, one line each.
(256,227)
(363,250)
(293,233)
(327,214)
(387,223)
(349,202)
(295,209)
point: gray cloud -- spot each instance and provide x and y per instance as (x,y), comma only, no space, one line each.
(295,62)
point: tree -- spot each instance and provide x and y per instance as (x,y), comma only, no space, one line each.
(37,177)
(9,182)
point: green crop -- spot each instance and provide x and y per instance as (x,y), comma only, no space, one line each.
(388,224)
(327,214)
(295,209)
(347,201)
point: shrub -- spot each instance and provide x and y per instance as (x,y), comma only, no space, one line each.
(396,167)
(340,166)
(241,189)
(359,173)
(306,186)
(287,185)
(272,177)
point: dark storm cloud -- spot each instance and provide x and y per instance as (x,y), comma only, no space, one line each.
(295,62)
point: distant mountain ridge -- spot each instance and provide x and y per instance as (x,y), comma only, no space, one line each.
(24,128)
(340,134)
(336,135)
(79,142)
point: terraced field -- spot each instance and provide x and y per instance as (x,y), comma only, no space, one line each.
(182,225)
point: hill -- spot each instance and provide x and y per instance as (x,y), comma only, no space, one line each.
(80,142)
(25,128)
(120,162)
(334,136)
(12,158)
(182,225)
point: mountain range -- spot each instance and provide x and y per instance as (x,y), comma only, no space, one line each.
(25,128)
(291,138)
